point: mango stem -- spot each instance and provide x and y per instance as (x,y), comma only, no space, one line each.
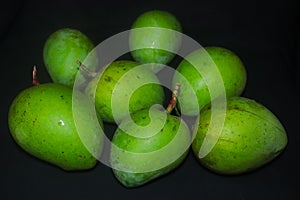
(86,69)
(35,81)
(173,101)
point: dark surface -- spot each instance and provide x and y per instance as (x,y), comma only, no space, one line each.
(262,33)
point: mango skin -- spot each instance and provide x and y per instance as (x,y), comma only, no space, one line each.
(230,67)
(143,97)
(41,122)
(133,170)
(62,50)
(251,137)
(158,40)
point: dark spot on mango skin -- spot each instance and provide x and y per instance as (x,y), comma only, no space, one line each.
(81,156)
(108,78)
(174,128)
(234,108)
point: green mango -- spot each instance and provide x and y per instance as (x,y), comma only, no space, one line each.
(154,37)
(229,67)
(41,121)
(251,137)
(61,52)
(146,148)
(115,88)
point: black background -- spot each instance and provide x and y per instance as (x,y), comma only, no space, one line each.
(262,33)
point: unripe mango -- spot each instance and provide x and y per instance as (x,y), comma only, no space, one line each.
(251,137)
